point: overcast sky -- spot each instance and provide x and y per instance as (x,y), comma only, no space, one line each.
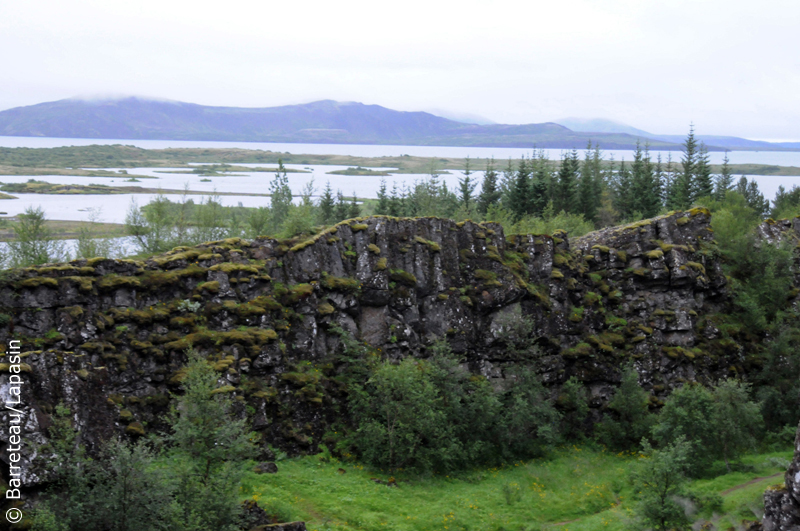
(730,66)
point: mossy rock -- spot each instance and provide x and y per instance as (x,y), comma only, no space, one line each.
(224,390)
(135,428)
(358,227)
(111,282)
(233,268)
(433,246)
(325,309)
(37,282)
(374,249)
(403,277)
(380,265)
(682,221)
(556,274)
(209,287)
(443,296)
(340,283)
(126,415)
(654,254)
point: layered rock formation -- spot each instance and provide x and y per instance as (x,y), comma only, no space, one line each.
(109,337)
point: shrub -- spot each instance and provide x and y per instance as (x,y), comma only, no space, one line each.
(629,418)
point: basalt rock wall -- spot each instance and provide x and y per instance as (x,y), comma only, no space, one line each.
(108,338)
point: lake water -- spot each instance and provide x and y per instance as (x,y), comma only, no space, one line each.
(780,158)
(115,207)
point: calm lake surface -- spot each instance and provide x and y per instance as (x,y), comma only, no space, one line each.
(780,158)
(115,207)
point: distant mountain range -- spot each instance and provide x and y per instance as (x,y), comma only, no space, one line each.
(324,122)
(601,125)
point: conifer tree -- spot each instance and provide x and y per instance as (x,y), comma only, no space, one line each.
(669,184)
(724,181)
(466,187)
(354,211)
(755,199)
(395,203)
(342,209)
(540,184)
(645,192)
(587,199)
(326,206)
(383,200)
(520,192)
(623,200)
(684,187)
(566,185)
(704,184)
(490,192)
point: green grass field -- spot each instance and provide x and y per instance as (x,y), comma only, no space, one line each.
(576,489)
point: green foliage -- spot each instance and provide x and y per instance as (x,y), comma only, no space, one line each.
(736,420)
(33,243)
(658,482)
(432,415)
(629,418)
(574,406)
(208,443)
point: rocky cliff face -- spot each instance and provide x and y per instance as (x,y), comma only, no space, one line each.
(109,337)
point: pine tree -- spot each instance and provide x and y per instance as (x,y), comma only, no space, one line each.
(623,200)
(540,184)
(395,203)
(566,197)
(724,181)
(466,187)
(588,198)
(645,191)
(669,184)
(342,209)
(704,184)
(519,194)
(490,193)
(755,199)
(326,206)
(354,210)
(684,187)
(383,200)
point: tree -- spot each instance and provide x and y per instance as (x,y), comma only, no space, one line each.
(590,185)
(736,419)
(355,210)
(280,197)
(540,184)
(657,483)
(724,182)
(755,199)
(629,417)
(566,193)
(341,209)
(684,191)
(208,444)
(33,243)
(704,184)
(383,206)
(519,193)
(490,193)
(623,192)
(574,405)
(326,213)
(89,246)
(466,188)
(645,188)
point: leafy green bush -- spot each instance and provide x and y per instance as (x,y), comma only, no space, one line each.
(628,418)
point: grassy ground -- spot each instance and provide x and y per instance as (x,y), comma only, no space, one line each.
(575,490)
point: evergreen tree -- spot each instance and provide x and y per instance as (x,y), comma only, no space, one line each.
(342,209)
(684,188)
(490,192)
(383,200)
(645,189)
(326,213)
(623,200)
(755,199)
(540,184)
(520,192)
(668,187)
(354,210)
(703,184)
(588,199)
(466,187)
(566,196)
(396,208)
(724,181)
